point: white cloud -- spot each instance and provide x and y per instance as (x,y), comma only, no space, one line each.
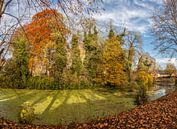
(163,61)
(132,14)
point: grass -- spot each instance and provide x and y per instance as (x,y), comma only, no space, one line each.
(65,106)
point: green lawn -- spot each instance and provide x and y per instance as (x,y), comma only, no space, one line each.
(65,106)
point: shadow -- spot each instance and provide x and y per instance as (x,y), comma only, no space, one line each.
(67,106)
(11,107)
(51,103)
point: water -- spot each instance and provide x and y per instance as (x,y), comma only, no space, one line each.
(159,91)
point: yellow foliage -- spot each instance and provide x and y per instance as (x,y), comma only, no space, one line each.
(145,78)
(113,69)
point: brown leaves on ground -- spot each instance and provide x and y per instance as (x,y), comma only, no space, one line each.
(161,113)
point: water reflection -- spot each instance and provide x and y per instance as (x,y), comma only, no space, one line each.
(159,91)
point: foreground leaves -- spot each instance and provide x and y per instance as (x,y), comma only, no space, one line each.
(161,113)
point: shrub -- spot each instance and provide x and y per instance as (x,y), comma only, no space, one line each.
(42,83)
(26,114)
(131,87)
(141,96)
(145,79)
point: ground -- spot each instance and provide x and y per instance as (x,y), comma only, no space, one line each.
(158,114)
(65,106)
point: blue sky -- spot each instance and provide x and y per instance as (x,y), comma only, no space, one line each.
(131,14)
(135,16)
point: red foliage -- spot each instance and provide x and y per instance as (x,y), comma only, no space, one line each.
(40,31)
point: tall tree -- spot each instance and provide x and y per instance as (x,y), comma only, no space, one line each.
(76,57)
(93,54)
(17,68)
(133,46)
(10,20)
(165,27)
(113,62)
(42,42)
(60,58)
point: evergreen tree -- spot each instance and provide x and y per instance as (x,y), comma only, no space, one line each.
(60,58)
(76,58)
(93,55)
(17,68)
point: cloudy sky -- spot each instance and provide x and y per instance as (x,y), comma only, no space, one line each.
(135,16)
(131,14)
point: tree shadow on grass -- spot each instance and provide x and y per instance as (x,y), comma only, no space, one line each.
(10,107)
(61,108)
(85,109)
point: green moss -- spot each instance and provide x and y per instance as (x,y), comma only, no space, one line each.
(64,106)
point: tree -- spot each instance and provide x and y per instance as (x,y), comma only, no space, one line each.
(16,70)
(113,63)
(133,46)
(60,58)
(11,20)
(76,57)
(146,63)
(170,69)
(165,27)
(93,55)
(146,66)
(42,42)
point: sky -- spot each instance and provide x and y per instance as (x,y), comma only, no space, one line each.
(131,14)
(135,16)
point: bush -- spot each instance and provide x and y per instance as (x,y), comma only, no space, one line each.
(141,96)
(41,83)
(26,114)
(145,79)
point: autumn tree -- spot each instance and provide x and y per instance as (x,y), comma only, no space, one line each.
(145,69)
(164,27)
(170,69)
(113,62)
(40,34)
(11,20)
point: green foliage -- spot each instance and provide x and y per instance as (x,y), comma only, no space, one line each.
(39,82)
(26,114)
(16,70)
(76,57)
(60,58)
(141,96)
(145,81)
(111,33)
(93,56)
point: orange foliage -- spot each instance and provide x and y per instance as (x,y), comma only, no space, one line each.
(40,31)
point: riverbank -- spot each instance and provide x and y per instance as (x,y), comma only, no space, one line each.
(160,113)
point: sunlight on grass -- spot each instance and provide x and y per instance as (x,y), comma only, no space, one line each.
(65,106)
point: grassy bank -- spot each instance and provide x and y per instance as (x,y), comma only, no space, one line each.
(65,106)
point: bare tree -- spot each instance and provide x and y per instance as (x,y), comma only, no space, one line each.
(133,42)
(165,28)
